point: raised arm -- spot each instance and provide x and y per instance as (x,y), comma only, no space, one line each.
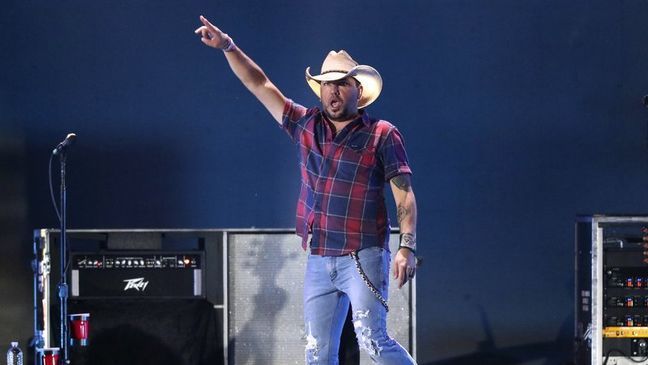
(250,74)
(405,259)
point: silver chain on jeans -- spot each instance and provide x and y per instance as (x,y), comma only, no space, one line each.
(368,282)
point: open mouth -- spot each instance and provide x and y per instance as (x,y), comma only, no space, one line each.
(335,104)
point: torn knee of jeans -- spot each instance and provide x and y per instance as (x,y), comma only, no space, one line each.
(312,348)
(365,335)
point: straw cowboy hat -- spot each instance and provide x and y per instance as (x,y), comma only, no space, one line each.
(338,65)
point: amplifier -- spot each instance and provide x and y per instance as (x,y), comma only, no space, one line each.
(137,275)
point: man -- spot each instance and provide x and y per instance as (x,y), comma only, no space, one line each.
(345,158)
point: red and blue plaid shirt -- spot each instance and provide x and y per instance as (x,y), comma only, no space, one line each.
(343,176)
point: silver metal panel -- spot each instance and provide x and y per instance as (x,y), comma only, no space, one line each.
(75,283)
(597,291)
(226,323)
(197,291)
(265,289)
(45,282)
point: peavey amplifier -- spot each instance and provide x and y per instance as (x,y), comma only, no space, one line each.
(137,275)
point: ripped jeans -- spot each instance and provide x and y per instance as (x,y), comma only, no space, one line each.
(331,284)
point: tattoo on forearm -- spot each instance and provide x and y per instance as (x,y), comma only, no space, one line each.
(402,212)
(402,182)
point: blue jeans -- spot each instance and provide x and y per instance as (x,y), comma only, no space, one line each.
(331,284)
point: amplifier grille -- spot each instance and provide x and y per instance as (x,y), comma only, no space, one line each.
(265,277)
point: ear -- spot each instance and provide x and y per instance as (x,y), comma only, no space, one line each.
(360,89)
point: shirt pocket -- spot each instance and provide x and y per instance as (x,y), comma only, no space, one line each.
(356,164)
(361,150)
(365,156)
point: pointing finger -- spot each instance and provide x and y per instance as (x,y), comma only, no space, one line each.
(207,23)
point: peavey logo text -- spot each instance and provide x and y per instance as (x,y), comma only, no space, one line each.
(136,283)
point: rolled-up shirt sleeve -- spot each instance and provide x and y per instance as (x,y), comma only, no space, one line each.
(392,152)
(291,116)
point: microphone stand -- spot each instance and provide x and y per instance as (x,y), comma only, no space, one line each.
(63,286)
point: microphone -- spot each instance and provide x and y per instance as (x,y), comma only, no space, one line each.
(64,144)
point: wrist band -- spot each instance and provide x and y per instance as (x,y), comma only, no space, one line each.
(229,45)
(408,240)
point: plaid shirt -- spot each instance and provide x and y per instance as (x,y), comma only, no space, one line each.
(341,201)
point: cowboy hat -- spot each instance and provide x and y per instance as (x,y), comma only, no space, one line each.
(338,65)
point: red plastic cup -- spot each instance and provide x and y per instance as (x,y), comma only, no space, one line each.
(51,356)
(79,329)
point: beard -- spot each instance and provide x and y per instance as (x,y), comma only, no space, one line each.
(340,112)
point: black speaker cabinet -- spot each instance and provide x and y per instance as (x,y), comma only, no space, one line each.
(150,331)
